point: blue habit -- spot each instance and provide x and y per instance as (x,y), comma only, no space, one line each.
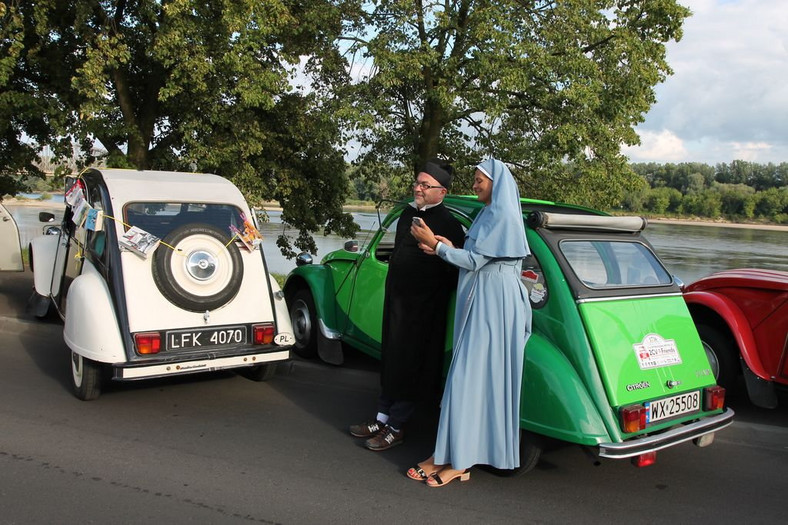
(480,411)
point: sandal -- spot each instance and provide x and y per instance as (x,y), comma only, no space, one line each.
(436,481)
(417,473)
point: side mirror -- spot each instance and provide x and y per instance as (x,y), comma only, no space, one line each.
(52,230)
(351,246)
(45,216)
(303,259)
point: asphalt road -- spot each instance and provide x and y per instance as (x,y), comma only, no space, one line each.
(218,448)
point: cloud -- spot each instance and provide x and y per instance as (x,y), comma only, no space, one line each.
(727,99)
(662,146)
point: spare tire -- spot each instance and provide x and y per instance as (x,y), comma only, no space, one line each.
(197,269)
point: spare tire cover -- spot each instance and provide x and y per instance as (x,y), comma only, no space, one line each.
(197,269)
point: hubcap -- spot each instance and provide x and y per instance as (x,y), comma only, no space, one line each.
(76,368)
(713,361)
(302,325)
(201,265)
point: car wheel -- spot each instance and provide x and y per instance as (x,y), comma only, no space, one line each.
(259,372)
(85,377)
(722,354)
(198,269)
(531,446)
(530,451)
(304,320)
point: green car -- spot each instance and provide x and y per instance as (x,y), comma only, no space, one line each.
(614,363)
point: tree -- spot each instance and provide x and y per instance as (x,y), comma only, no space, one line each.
(26,114)
(196,85)
(553,88)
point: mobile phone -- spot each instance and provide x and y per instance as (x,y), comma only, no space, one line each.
(417,220)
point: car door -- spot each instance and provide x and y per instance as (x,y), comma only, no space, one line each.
(10,248)
(70,253)
(369,290)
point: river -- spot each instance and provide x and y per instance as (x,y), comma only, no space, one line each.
(688,251)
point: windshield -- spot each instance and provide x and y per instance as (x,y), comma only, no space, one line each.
(614,264)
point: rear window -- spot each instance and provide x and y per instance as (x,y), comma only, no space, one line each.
(614,264)
(160,218)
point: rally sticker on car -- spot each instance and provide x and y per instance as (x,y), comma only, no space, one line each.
(655,352)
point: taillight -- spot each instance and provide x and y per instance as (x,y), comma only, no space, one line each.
(633,418)
(713,398)
(644,460)
(263,334)
(148,343)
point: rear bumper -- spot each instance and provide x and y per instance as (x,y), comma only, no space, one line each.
(668,438)
(143,371)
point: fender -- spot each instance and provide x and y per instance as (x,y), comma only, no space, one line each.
(91,328)
(736,322)
(319,280)
(554,401)
(43,250)
(280,311)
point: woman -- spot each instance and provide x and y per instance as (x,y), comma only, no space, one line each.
(480,411)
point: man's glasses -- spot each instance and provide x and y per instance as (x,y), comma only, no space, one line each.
(424,186)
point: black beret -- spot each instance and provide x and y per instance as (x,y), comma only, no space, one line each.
(440,172)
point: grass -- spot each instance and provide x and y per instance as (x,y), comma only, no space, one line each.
(280,278)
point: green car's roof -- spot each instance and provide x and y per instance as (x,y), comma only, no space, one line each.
(470,205)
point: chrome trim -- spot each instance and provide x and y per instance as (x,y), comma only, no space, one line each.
(127,373)
(626,297)
(674,436)
(327,332)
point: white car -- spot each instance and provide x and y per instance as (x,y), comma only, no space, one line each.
(10,253)
(158,274)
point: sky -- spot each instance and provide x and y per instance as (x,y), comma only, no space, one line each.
(728,96)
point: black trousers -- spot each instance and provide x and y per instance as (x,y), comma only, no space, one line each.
(399,411)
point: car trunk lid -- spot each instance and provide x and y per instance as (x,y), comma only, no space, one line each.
(646,347)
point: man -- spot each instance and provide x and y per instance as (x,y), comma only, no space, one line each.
(418,287)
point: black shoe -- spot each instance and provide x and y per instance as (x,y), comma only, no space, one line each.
(366,430)
(385,439)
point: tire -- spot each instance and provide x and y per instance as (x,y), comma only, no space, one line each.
(722,353)
(85,377)
(531,446)
(303,317)
(259,372)
(202,271)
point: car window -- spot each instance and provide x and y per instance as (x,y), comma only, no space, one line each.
(160,218)
(387,240)
(386,243)
(534,281)
(614,264)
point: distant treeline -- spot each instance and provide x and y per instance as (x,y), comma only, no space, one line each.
(739,191)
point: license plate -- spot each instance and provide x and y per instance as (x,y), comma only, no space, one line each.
(673,406)
(196,339)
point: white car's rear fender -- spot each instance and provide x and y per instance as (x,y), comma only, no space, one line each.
(283,324)
(43,251)
(91,324)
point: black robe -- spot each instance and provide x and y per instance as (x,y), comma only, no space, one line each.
(418,287)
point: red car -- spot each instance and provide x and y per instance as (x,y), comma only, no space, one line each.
(742,319)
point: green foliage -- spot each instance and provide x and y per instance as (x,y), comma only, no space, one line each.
(708,191)
(772,204)
(187,85)
(553,88)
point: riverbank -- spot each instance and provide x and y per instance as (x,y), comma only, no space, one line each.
(722,224)
(274,206)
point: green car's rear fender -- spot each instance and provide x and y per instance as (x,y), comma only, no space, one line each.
(555,402)
(318,280)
